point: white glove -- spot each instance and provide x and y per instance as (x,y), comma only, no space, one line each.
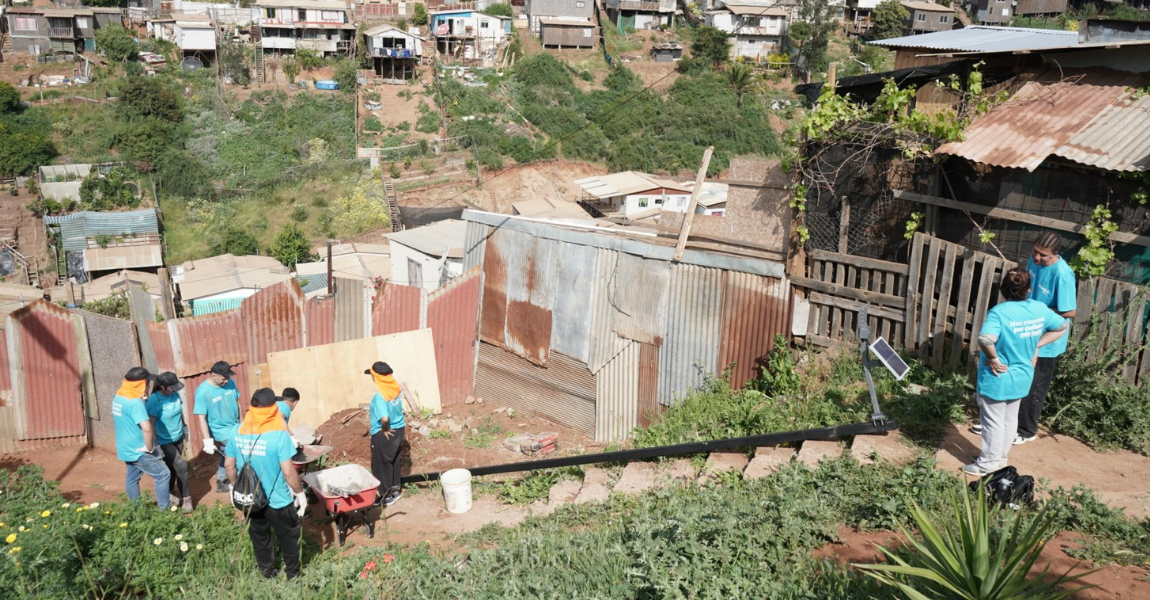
(301,503)
(209,446)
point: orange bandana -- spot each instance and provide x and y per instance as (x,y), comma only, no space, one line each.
(132,389)
(262,419)
(387,385)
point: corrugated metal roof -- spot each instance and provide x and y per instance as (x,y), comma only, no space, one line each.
(226,272)
(1075,114)
(340,6)
(123,257)
(985,38)
(385,28)
(312,283)
(754,10)
(690,350)
(453,317)
(625,183)
(925,6)
(78,227)
(435,239)
(617,395)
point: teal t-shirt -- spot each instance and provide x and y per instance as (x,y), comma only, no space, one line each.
(1018,325)
(267,451)
(381,408)
(169,414)
(1054,286)
(221,404)
(127,416)
(285,410)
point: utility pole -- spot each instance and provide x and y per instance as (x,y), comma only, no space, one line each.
(686,229)
(330,281)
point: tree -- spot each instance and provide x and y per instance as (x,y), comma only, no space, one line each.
(499,10)
(115,305)
(9,99)
(308,59)
(419,15)
(819,14)
(291,69)
(710,48)
(236,241)
(291,246)
(346,75)
(741,76)
(23,149)
(114,190)
(149,97)
(116,43)
(889,20)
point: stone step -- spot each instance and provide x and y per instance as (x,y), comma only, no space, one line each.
(813,452)
(718,462)
(594,488)
(891,447)
(767,460)
(638,477)
(677,472)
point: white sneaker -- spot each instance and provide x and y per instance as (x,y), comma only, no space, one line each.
(974,469)
(1019,440)
(976,428)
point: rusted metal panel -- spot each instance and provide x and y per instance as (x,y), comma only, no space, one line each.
(397,309)
(474,242)
(112,343)
(529,289)
(755,309)
(638,292)
(273,320)
(1015,135)
(320,321)
(198,342)
(604,343)
(453,317)
(493,317)
(50,402)
(690,350)
(571,308)
(352,299)
(5,380)
(162,345)
(649,408)
(143,311)
(617,396)
(563,392)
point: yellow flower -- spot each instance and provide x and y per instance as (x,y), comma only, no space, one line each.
(1,525)
(183,547)
(123,524)
(172,508)
(46,514)
(158,541)
(107,512)
(45,526)
(81,509)
(199,546)
(13,549)
(11,538)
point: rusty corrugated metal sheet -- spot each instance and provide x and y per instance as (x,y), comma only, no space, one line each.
(46,345)
(398,308)
(474,242)
(273,320)
(690,350)
(162,344)
(648,402)
(564,391)
(523,268)
(453,316)
(755,309)
(574,278)
(5,379)
(617,396)
(638,292)
(198,342)
(604,343)
(1118,139)
(493,316)
(1041,118)
(320,321)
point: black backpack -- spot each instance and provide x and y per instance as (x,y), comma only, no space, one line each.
(1005,487)
(248,494)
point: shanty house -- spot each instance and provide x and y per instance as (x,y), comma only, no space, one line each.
(641,14)
(428,256)
(395,53)
(935,48)
(285,25)
(95,243)
(193,33)
(928,17)
(755,30)
(993,12)
(468,34)
(222,282)
(562,23)
(634,195)
(57,30)
(362,262)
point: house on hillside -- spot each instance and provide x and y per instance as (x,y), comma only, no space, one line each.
(427,257)
(756,30)
(284,26)
(927,17)
(350,260)
(938,48)
(395,53)
(641,14)
(96,243)
(633,195)
(40,30)
(858,13)
(546,208)
(112,284)
(468,34)
(1000,12)
(193,33)
(562,23)
(220,283)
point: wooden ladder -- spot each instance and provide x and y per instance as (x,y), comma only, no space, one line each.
(392,205)
(259,54)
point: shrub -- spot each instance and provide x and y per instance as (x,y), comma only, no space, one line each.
(299,214)
(346,74)
(419,15)
(291,246)
(499,10)
(372,124)
(113,190)
(235,240)
(363,209)
(427,123)
(9,98)
(117,43)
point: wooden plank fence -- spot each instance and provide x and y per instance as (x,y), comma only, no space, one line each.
(841,284)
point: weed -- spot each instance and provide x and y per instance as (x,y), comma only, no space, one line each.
(440,434)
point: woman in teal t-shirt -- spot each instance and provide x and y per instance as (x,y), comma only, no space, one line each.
(1009,339)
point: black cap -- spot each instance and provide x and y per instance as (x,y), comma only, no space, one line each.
(139,374)
(168,380)
(263,397)
(380,367)
(223,368)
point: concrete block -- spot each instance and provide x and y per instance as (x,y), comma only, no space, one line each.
(767,460)
(637,478)
(813,452)
(891,447)
(718,462)
(677,471)
(594,487)
(563,492)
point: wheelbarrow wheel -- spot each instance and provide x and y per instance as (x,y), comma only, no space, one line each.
(368,524)
(340,523)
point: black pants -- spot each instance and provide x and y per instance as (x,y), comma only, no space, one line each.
(285,522)
(174,458)
(1031,406)
(385,453)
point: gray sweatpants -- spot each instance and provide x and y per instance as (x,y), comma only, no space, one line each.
(999,427)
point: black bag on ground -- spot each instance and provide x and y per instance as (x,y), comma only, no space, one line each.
(1005,487)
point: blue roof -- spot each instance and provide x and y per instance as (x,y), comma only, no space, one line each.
(312,283)
(986,38)
(77,228)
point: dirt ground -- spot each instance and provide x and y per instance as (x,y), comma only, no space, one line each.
(31,240)
(554,180)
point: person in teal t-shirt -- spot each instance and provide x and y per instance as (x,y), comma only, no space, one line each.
(388,430)
(136,438)
(287,403)
(217,408)
(1009,341)
(167,411)
(1051,283)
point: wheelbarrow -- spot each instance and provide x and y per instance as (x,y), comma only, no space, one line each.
(345,490)
(309,455)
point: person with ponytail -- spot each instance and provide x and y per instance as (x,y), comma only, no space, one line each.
(1009,340)
(136,438)
(387,432)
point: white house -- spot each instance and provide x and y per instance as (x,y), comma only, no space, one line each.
(222,282)
(757,30)
(394,52)
(634,195)
(362,262)
(428,256)
(286,25)
(193,33)
(468,34)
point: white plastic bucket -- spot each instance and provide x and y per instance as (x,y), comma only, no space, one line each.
(457,490)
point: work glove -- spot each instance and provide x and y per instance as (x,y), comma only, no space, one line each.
(301,503)
(209,446)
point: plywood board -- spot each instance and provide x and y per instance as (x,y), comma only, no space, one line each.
(330,377)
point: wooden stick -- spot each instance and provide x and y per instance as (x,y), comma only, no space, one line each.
(686,230)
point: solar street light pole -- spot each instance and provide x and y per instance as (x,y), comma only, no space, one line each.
(864,348)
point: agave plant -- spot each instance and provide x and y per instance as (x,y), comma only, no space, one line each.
(959,558)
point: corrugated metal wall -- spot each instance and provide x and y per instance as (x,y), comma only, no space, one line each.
(573,279)
(162,344)
(273,320)
(690,350)
(50,399)
(351,313)
(755,309)
(563,392)
(529,290)
(604,344)
(453,316)
(474,243)
(397,309)
(320,321)
(5,379)
(638,292)
(617,396)
(198,342)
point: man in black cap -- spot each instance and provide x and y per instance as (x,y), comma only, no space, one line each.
(135,437)
(387,432)
(166,409)
(217,409)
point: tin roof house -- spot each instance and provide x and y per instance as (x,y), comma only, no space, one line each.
(428,256)
(395,53)
(193,33)
(286,25)
(469,35)
(95,243)
(222,282)
(40,30)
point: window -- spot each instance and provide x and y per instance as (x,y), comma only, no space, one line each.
(921,17)
(484,24)
(658,200)
(643,202)
(414,273)
(83,23)
(586,33)
(580,4)
(301,14)
(333,16)
(944,19)
(25,24)
(269,13)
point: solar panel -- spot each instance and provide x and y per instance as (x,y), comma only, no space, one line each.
(894,363)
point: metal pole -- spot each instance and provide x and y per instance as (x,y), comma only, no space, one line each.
(330,281)
(864,348)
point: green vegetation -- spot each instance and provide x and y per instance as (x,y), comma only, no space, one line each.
(9,99)
(419,15)
(889,19)
(499,10)
(291,246)
(345,74)
(236,241)
(535,486)
(115,305)
(116,189)
(710,48)
(117,43)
